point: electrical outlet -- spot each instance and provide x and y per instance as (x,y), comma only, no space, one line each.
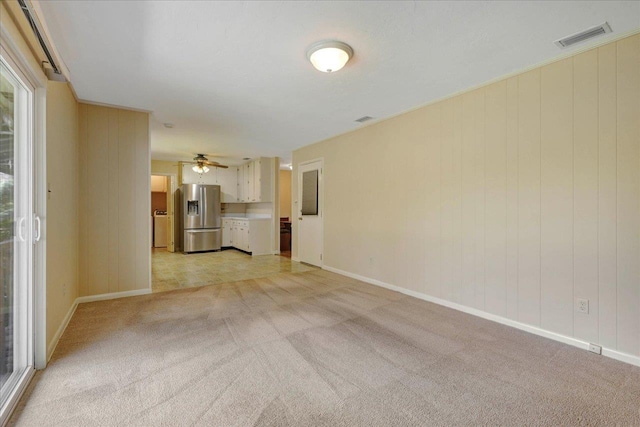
(371,260)
(593,348)
(582,305)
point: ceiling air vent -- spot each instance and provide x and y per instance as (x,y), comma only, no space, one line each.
(589,33)
(364,119)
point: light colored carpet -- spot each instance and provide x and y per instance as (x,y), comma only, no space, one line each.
(318,349)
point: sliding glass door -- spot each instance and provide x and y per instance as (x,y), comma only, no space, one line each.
(17,235)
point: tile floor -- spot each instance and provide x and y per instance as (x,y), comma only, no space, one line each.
(175,270)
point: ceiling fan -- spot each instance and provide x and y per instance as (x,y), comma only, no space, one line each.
(202,164)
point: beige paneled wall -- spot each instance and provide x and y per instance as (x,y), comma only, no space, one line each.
(62,205)
(515,198)
(115,186)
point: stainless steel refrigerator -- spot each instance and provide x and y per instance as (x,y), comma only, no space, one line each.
(200,218)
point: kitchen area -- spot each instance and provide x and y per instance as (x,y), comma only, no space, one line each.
(227,226)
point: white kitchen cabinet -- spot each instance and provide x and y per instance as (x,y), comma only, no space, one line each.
(227,179)
(249,235)
(227,233)
(257,180)
(189,176)
(248,183)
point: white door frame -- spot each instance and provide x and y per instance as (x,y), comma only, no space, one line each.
(37,328)
(35,76)
(298,204)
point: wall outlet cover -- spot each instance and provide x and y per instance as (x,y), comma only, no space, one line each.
(594,348)
(582,305)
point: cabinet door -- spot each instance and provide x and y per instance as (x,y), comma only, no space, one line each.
(240,183)
(228,182)
(234,234)
(248,177)
(257,181)
(189,176)
(227,230)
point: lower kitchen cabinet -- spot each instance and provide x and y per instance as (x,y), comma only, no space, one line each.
(251,235)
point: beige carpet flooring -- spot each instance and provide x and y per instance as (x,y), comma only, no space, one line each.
(317,349)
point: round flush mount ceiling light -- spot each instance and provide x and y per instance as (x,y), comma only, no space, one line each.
(329,56)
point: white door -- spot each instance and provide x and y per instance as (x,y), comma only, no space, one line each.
(19,232)
(310,205)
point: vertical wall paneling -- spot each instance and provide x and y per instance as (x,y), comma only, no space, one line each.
(519,197)
(628,132)
(512,199)
(113,199)
(607,191)
(529,197)
(556,197)
(446,200)
(114,202)
(433,190)
(480,198)
(456,181)
(468,256)
(98,151)
(82,243)
(495,198)
(142,177)
(126,205)
(585,195)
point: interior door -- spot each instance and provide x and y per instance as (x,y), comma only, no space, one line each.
(310,204)
(19,232)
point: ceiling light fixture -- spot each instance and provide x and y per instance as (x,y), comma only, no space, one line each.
(200,169)
(329,56)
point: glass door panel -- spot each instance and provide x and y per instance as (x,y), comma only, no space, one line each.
(16,244)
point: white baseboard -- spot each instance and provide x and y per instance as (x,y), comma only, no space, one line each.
(102,297)
(613,354)
(54,342)
(113,295)
(295,258)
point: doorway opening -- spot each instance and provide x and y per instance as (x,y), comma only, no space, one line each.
(285,212)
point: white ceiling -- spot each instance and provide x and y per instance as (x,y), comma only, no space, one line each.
(234,79)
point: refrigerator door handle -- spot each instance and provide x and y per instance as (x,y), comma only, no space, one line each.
(203,201)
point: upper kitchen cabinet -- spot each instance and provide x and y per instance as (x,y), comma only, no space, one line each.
(189,176)
(254,180)
(227,179)
(248,183)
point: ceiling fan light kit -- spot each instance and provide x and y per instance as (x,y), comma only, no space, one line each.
(202,163)
(329,56)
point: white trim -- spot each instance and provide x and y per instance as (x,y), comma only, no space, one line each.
(63,326)
(40,209)
(295,258)
(35,77)
(16,395)
(80,300)
(112,295)
(614,354)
